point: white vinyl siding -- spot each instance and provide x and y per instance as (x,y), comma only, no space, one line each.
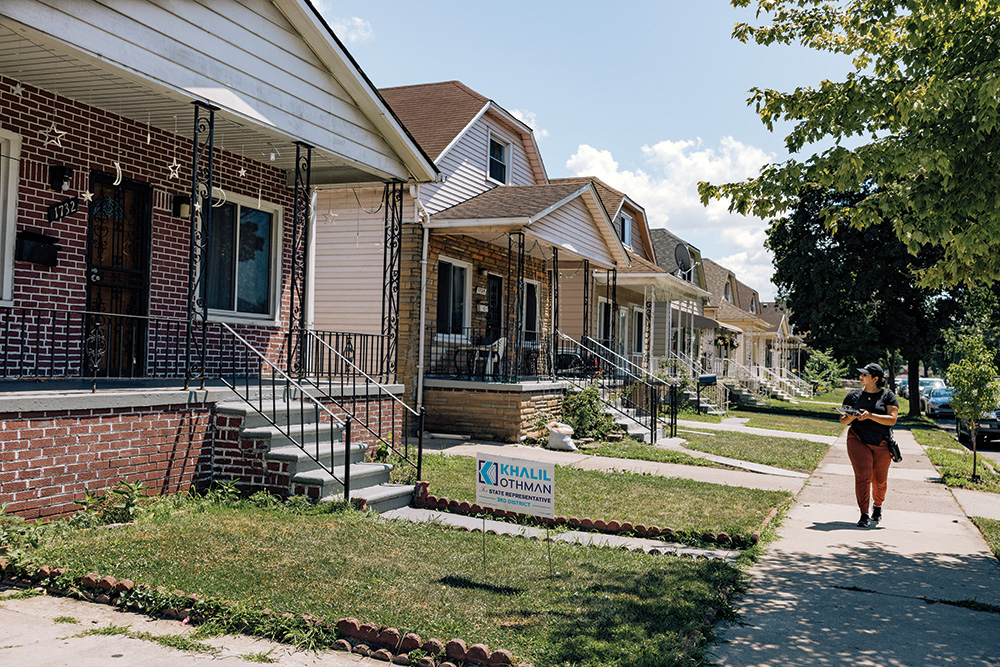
(349,256)
(571,227)
(10,153)
(243,56)
(465,166)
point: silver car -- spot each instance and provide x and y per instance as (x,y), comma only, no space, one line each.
(937,402)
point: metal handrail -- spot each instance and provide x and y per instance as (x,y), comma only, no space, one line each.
(638,371)
(383,392)
(319,410)
(652,389)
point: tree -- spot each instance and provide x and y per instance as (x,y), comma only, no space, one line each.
(975,385)
(823,370)
(924,95)
(853,291)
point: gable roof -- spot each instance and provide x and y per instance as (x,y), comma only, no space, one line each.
(614,201)
(439,114)
(665,246)
(516,207)
(435,113)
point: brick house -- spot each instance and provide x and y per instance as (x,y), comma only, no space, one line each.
(506,275)
(156,187)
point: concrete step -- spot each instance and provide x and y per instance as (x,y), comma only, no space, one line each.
(385,497)
(362,475)
(280,411)
(303,459)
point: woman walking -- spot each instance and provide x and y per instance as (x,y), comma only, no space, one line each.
(877,410)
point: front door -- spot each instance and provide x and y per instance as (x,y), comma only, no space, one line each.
(118,250)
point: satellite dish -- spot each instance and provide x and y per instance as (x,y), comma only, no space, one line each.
(683,257)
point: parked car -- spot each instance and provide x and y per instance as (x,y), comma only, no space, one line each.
(901,387)
(987,430)
(926,384)
(937,402)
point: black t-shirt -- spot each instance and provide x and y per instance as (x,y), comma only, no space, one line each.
(868,431)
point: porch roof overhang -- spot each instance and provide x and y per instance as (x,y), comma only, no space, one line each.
(672,286)
(527,209)
(149,64)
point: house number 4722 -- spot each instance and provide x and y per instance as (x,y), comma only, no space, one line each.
(64,208)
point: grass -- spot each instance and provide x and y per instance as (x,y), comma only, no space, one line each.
(827,424)
(990,528)
(178,642)
(602,607)
(65,619)
(632,449)
(952,459)
(787,453)
(677,503)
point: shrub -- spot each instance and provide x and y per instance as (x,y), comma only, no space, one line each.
(582,411)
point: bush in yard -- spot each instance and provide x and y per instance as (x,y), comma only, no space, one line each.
(974,385)
(582,411)
(823,370)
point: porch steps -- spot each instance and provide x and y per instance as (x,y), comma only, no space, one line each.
(305,465)
(635,425)
(707,407)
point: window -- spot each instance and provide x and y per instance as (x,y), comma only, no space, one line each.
(727,293)
(499,163)
(604,322)
(241,265)
(452,296)
(10,153)
(638,330)
(753,305)
(625,229)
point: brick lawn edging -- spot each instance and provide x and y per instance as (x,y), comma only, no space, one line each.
(423,498)
(366,639)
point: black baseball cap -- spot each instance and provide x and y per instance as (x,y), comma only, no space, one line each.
(873,369)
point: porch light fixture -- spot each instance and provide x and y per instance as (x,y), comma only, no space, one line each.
(181,206)
(59,177)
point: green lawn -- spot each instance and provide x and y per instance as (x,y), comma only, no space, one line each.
(787,453)
(632,449)
(601,607)
(952,459)
(990,529)
(669,502)
(823,422)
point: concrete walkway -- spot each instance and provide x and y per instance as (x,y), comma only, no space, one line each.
(829,593)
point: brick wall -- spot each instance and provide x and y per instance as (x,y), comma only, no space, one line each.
(95,139)
(48,459)
(499,414)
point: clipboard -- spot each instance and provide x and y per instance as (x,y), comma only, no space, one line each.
(844,410)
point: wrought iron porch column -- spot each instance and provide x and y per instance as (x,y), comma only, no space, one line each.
(296,363)
(613,286)
(586,299)
(202,174)
(555,310)
(392,257)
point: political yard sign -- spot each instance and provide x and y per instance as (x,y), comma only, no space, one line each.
(515,485)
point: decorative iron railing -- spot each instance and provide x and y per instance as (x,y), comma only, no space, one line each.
(287,406)
(374,407)
(623,386)
(489,354)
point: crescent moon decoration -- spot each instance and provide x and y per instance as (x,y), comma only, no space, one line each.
(118,174)
(221,197)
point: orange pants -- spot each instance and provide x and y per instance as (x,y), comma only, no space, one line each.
(871,470)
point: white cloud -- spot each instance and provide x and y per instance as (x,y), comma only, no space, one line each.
(666,186)
(531,120)
(351,30)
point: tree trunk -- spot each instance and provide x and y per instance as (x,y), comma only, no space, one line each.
(913,376)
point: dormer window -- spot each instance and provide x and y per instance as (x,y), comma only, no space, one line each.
(625,229)
(499,161)
(753,305)
(727,293)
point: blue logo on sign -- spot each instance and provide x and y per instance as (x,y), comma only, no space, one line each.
(488,473)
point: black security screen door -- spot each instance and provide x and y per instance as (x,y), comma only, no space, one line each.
(118,250)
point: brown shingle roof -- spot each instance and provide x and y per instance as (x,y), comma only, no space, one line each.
(610,198)
(509,201)
(434,113)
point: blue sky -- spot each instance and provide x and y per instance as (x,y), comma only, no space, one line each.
(648,95)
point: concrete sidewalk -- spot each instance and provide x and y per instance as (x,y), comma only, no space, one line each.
(829,593)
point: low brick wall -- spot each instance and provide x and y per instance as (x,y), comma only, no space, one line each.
(48,459)
(495,411)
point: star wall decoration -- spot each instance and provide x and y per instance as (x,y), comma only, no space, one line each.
(87,196)
(243,172)
(18,89)
(175,169)
(53,136)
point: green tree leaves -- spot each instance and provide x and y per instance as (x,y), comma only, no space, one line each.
(924,94)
